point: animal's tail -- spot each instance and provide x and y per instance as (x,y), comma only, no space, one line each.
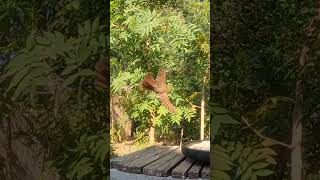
(166,102)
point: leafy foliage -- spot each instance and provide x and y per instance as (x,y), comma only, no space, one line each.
(146,37)
(50,48)
(88,158)
(254,75)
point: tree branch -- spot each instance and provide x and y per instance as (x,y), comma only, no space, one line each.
(264,137)
(193,104)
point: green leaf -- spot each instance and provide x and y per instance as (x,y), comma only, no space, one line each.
(247,175)
(221,155)
(270,160)
(259,165)
(30,42)
(81,30)
(43,40)
(22,88)
(225,119)
(17,64)
(102,40)
(40,81)
(267,151)
(283,99)
(87,29)
(264,172)
(69,69)
(238,149)
(84,72)
(162,110)
(216,127)
(219,148)
(220,175)
(95,24)
(246,152)
(101,153)
(244,165)
(75,4)
(268,143)
(238,172)
(220,162)
(50,36)
(17,78)
(252,156)
(84,53)
(59,44)
(42,69)
(59,37)
(254,177)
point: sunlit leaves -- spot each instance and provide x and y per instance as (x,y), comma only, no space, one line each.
(162,111)
(151,38)
(146,22)
(126,80)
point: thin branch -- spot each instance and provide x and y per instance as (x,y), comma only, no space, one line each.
(264,137)
(193,104)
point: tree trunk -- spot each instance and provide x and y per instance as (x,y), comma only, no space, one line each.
(152,129)
(296,137)
(202,118)
(181,137)
(120,118)
(151,135)
(182,132)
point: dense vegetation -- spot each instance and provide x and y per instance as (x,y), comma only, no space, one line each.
(53,121)
(145,37)
(265,60)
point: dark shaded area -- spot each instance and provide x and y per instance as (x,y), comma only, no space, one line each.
(54,122)
(255,47)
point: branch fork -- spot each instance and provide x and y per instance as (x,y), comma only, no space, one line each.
(290,146)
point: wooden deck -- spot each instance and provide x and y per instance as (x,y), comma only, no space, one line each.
(162,161)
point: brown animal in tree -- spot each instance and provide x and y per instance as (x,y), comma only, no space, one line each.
(160,87)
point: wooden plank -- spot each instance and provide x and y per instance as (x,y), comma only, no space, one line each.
(116,163)
(136,165)
(181,171)
(124,166)
(205,172)
(194,171)
(164,166)
(131,156)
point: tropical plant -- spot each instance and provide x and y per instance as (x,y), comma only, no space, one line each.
(145,37)
(47,89)
(258,74)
